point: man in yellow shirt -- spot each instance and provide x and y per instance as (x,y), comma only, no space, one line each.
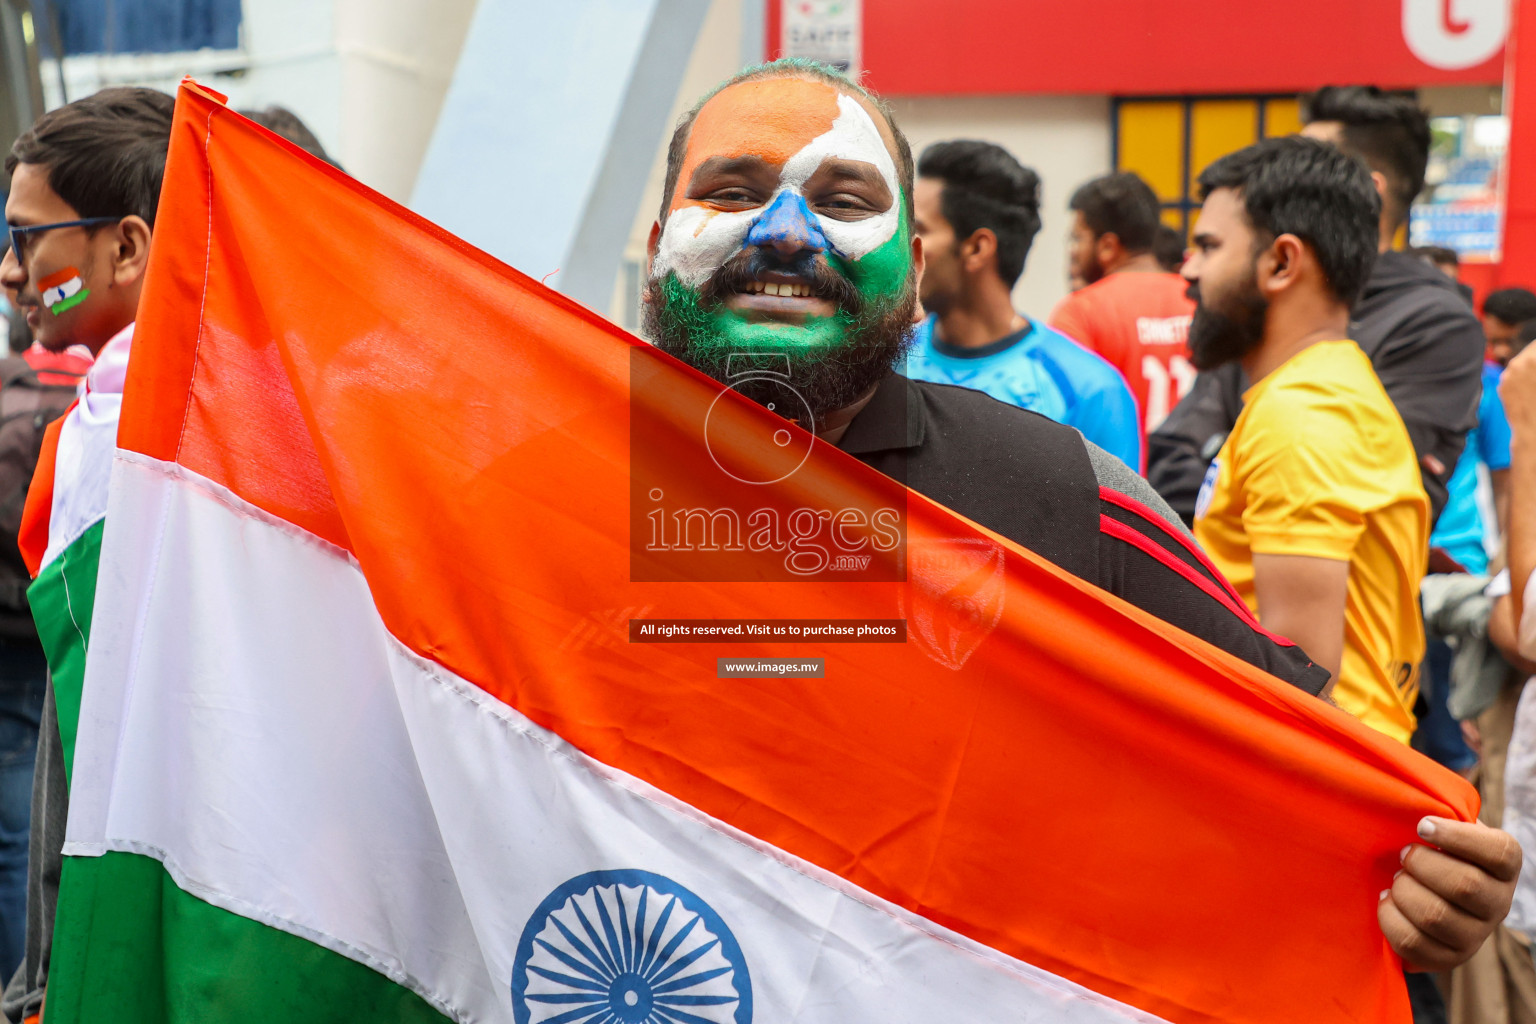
(1313,509)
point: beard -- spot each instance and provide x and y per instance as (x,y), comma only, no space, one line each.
(871,334)
(1225,334)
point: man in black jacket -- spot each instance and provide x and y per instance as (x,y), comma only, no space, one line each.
(1422,338)
(783,240)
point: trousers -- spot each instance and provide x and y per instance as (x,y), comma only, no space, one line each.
(23,677)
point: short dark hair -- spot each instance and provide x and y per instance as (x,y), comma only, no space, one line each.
(1512,305)
(1120,203)
(787,67)
(284,122)
(1168,247)
(985,187)
(1302,187)
(105,153)
(1389,131)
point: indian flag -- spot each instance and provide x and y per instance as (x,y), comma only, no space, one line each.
(361,735)
(62,290)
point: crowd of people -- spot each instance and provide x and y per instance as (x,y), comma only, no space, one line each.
(1289,437)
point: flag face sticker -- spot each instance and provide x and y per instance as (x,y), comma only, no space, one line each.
(332,760)
(63,290)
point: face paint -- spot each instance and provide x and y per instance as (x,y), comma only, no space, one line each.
(63,290)
(697,240)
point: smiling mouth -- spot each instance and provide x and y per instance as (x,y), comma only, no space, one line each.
(779,297)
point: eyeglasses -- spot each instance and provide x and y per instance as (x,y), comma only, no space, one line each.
(19,234)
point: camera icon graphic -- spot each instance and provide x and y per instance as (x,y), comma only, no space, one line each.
(763,377)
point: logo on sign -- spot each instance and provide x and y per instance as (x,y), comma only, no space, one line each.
(628,947)
(1455,34)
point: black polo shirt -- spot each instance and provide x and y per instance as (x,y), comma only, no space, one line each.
(1035,482)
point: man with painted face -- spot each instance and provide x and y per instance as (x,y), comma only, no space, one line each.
(780,184)
(786,231)
(1313,508)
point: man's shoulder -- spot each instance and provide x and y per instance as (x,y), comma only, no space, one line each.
(951,404)
(1085,371)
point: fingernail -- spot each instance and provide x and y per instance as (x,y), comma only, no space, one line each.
(1402,857)
(1396,876)
(1384,894)
(1427,828)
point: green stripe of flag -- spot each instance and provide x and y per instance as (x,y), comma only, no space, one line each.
(63,597)
(132,947)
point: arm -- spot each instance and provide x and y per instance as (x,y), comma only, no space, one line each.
(1518,390)
(1302,597)
(1498,479)
(1504,634)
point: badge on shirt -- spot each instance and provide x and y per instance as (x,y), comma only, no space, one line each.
(1207,488)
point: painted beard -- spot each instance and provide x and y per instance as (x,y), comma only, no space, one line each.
(834,361)
(1221,336)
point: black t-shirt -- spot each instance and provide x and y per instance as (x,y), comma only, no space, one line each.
(1037,483)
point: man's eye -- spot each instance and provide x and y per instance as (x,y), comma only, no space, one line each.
(733,195)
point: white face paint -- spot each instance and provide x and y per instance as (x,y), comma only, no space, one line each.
(697,241)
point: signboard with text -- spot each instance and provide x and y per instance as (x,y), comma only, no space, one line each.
(1151,47)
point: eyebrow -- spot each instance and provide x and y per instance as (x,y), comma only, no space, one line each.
(747,164)
(862,170)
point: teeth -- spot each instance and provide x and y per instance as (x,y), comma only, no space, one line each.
(762,288)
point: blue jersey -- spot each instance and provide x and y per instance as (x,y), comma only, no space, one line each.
(1044,371)
(1460,528)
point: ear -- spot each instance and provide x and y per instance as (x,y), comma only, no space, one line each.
(979,251)
(1107,250)
(1380,181)
(130,251)
(651,242)
(1281,265)
(919,263)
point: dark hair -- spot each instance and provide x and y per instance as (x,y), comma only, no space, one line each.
(105,154)
(1302,187)
(1120,203)
(1512,305)
(1389,131)
(1168,248)
(284,122)
(985,187)
(787,67)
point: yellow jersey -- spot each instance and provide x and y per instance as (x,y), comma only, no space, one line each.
(1319,463)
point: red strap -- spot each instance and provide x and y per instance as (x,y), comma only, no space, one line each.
(1130,504)
(1139,540)
(33,535)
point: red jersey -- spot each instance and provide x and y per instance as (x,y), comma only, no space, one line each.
(1140,323)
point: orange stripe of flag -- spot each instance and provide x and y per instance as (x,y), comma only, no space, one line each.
(57,278)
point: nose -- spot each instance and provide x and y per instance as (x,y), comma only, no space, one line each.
(12,274)
(788,227)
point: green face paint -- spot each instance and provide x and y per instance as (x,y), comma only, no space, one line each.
(881,278)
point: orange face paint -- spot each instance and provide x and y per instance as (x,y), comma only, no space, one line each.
(773,118)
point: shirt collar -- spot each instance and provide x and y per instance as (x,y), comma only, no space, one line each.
(893,419)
